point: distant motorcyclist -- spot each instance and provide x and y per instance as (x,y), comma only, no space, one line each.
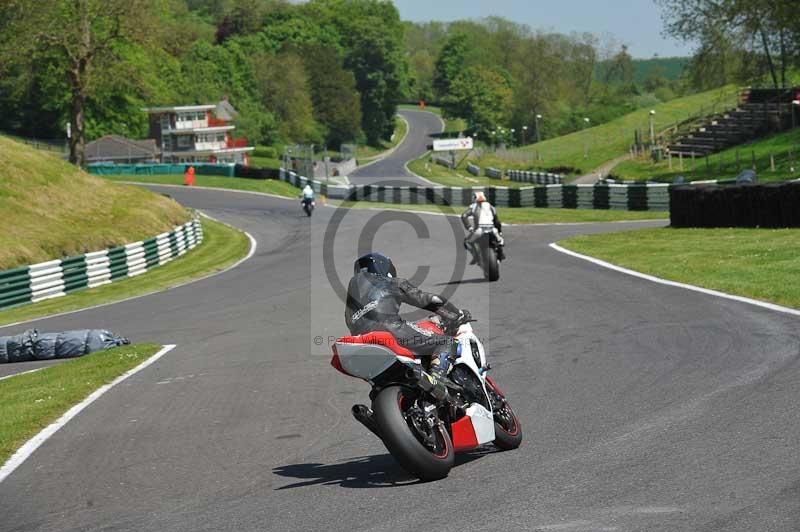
(307,194)
(481,216)
(374,296)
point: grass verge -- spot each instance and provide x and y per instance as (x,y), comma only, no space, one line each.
(51,209)
(222,246)
(366,153)
(781,150)
(757,263)
(267,186)
(589,149)
(33,401)
(522,215)
(459,177)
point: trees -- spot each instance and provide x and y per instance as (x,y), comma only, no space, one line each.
(481,96)
(285,90)
(450,62)
(81,36)
(767,27)
(336,103)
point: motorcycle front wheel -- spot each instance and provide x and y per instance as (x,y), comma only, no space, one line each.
(424,451)
(507,430)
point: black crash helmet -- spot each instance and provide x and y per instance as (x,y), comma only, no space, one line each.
(376,263)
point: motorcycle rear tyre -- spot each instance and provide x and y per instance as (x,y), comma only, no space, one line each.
(401,442)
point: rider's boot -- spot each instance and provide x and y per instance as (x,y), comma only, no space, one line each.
(501,254)
(440,365)
(366,417)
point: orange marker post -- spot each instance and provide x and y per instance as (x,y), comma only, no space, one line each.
(188,176)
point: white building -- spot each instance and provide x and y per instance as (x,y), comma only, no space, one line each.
(196,133)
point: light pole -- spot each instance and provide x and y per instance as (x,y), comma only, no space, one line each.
(494,140)
(524,132)
(652,131)
(538,131)
(513,138)
(586,139)
(795,105)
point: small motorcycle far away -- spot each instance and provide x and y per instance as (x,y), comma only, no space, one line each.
(308,202)
(485,238)
(422,431)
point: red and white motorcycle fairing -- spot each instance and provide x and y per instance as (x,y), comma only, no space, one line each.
(371,355)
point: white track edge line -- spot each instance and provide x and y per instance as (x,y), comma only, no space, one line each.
(22,373)
(28,448)
(253,245)
(694,288)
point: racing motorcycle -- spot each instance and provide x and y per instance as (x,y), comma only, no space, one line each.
(420,431)
(486,247)
(308,206)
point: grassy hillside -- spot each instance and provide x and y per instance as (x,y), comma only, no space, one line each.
(588,149)
(51,209)
(782,149)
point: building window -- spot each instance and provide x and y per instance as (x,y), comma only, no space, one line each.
(184,141)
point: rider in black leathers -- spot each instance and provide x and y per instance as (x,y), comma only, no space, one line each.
(374,296)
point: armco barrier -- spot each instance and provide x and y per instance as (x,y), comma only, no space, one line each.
(474,169)
(56,278)
(773,205)
(639,197)
(493,173)
(539,178)
(160,169)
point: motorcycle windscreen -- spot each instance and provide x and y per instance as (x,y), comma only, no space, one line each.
(365,361)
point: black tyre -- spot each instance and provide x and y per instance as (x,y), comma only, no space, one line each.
(507,430)
(491,267)
(394,411)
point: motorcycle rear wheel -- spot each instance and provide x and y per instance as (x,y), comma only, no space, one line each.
(491,267)
(393,408)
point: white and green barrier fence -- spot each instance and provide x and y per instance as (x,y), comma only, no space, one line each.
(55,278)
(630,197)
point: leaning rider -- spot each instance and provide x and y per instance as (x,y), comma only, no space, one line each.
(374,296)
(481,216)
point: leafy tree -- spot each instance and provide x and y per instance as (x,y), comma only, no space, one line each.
(769,27)
(285,91)
(82,36)
(481,96)
(450,63)
(620,68)
(336,103)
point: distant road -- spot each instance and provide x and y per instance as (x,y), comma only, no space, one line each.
(391,169)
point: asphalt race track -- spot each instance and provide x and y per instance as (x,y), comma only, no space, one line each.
(645,407)
(392,170)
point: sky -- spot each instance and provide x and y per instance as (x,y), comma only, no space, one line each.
(636,23)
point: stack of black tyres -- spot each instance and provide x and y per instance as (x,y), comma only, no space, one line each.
(772,205)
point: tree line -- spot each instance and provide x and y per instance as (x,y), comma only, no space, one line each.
(325,71)
(738,41)
(333,71)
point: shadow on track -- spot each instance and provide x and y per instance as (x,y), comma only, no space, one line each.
(464,281)
(379,471)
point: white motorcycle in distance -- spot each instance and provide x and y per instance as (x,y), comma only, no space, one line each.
(420,431)
(486,251)
(308,206)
